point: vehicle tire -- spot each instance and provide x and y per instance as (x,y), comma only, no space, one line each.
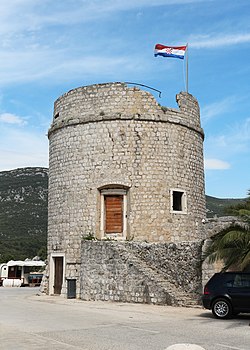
(222,308)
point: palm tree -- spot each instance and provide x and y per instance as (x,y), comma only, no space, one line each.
(232,245)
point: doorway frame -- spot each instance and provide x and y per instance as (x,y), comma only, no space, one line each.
(113,192)
(52,272)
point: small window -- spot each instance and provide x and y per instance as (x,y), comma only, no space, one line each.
(178,201)
(229,283)
(242,281)
(26,269)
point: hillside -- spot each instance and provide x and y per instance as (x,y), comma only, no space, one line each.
(23,213)
(24,209)
(217,207)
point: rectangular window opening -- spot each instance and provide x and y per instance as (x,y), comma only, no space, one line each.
(178,201)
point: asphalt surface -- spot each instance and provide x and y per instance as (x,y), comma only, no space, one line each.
(29,321)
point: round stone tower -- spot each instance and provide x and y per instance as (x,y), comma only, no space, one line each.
(122,167)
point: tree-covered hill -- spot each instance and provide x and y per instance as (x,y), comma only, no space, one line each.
(218,207)
(23,213)
(24,209)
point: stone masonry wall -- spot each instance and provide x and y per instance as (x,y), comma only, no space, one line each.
(112,135)
(143,160)
(115,101)
(141,272)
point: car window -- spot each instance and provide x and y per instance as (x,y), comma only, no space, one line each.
(242,281)
(230,283)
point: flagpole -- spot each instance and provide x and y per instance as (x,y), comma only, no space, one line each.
(187,68)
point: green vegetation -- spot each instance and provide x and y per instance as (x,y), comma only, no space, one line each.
(23,213)
(232,245)
(89,237)
(219,207)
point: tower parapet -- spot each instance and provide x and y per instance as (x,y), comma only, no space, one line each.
(116,101)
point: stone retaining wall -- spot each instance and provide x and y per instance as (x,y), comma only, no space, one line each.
(157,273)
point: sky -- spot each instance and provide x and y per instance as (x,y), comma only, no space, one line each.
(49,47)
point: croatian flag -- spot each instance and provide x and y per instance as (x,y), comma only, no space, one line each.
(170,51)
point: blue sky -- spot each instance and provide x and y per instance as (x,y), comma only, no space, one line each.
(51,46)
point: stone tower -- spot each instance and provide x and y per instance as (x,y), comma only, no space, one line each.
(123,168)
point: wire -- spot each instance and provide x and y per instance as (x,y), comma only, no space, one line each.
(149,87)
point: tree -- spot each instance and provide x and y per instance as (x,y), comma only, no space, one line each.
(232,245)
(42,253)
(241,210)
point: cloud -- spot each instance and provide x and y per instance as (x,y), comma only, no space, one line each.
(234,140)
(214,41)
(12,160)
(44,41)
(36,15)
(22,148)
(217,108)
(41,63)
(233,144)
(238,138)
(11,119)
(216,164)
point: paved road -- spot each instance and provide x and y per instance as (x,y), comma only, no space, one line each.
(29,321)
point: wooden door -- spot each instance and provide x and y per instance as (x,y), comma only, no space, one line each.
(114,214)
(58,277)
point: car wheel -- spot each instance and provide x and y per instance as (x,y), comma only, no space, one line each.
(222,308)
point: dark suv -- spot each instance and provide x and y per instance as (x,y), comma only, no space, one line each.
(227,294)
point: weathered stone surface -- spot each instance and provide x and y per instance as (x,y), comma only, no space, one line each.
(110,135)
(157,273)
